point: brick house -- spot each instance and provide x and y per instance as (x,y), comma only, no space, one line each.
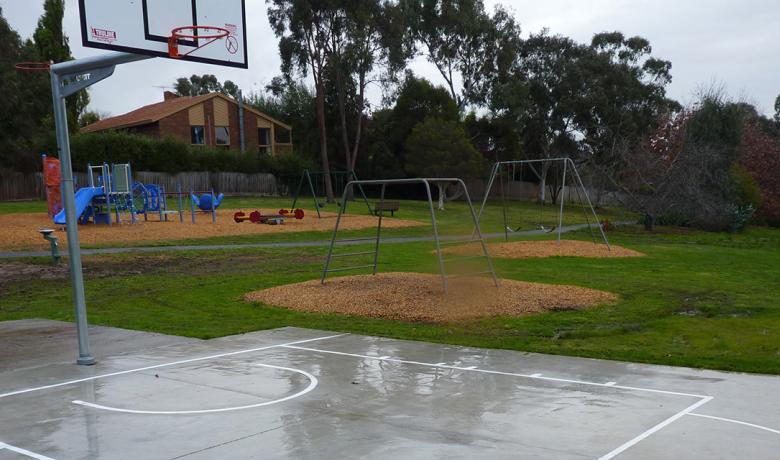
(210,120)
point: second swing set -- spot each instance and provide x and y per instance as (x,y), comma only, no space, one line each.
(556,171)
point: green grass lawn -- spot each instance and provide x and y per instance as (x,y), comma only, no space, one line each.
(697,299)
(14,207)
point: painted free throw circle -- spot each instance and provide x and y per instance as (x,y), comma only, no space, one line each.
(313,382)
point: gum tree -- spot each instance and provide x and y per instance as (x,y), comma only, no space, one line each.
(304,30)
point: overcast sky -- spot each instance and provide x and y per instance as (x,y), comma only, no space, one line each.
(731,42)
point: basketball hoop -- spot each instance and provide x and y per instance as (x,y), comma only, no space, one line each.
(33,66)
(195,33)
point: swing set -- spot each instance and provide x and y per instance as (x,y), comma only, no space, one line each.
(315,180)
(562,169)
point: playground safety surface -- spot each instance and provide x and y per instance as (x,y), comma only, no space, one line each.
(297,393)
(420,297)
(20,231)
(547,248)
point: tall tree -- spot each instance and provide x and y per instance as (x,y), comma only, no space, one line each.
(304,31)
(542,98)
(465,43)
(52,46)
(626,93)
(21,109)
(365,35)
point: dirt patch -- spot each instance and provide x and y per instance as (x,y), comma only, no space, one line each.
(20,231)
(17,271)
(540,249)
(420,297)
(105,266)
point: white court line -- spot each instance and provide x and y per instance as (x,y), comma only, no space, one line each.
(702,399)
(738,422)
(26,452)
(652,430)
(157,366)
(312,385)
(511,374)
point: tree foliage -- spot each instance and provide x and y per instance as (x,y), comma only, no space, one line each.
(198,85)
(465,43)
(304,29)
(759,155)
(293,103)
(440,148)
(27,118)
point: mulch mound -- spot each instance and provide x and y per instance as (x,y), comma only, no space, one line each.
(540,249)
(420,297)
(20,231)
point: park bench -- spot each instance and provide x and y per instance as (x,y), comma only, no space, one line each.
(385,206)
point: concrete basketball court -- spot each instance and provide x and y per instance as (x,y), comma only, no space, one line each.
(297,393)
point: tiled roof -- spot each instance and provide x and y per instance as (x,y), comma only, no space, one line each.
(155,112)
(146,114)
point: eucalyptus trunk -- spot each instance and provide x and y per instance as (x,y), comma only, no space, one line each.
(324,142)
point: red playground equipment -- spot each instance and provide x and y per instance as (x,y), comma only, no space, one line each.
(52,180)
(256,217)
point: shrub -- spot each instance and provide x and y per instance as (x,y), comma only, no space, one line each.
(172,155)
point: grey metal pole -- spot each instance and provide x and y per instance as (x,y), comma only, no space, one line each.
(241,133)
(479,232)
(342,209)
(314,194)
(487,189)
(436,235)
(78,74)
(563,197)
(378,227)
(590,204)
(68,202)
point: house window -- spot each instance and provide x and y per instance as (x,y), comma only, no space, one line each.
(223,135)
(283,135)
(197,135)
(264,140)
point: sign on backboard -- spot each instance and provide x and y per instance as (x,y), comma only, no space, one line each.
(144,27)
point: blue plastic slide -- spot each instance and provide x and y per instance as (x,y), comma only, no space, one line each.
(83,197)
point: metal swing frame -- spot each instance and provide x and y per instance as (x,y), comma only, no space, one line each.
(568,163)
(306,178)
(475,237)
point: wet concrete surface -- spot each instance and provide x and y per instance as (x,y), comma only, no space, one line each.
(297,393)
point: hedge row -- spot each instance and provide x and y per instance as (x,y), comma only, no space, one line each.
(173,156)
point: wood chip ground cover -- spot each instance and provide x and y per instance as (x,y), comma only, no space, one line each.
(540,249)
(420,297)
(20,231)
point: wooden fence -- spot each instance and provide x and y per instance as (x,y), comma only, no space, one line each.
(19,186)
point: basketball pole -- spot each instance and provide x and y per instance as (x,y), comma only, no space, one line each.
(68,78)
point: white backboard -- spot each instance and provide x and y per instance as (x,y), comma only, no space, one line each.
(143,27)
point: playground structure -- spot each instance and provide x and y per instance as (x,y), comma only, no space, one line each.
(256,217)
(315,180)
(52,183)
(110,189)
(568,171)
(475,237)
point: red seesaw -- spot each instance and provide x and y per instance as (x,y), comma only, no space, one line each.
(256,217)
